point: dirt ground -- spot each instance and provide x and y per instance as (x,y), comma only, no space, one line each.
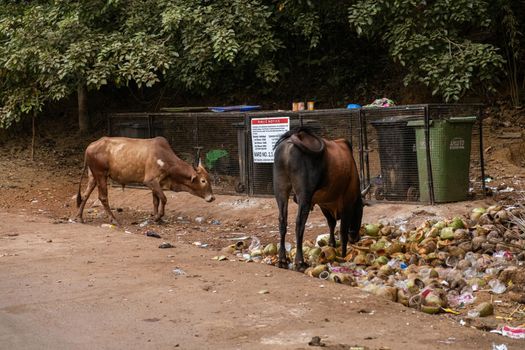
(67,285)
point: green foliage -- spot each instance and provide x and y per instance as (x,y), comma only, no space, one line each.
(434,40)
(509,31)
(213,36)
(282,48)
(49,48)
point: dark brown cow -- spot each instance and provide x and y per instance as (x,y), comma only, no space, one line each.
(319,172)
(148,161)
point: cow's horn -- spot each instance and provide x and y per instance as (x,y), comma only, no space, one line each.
(197,160)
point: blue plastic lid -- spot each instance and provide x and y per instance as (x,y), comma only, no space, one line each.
(242,108)
(352,106)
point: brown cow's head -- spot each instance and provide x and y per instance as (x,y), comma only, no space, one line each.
(199,184)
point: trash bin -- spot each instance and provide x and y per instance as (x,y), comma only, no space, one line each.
(397,155)
(450,143)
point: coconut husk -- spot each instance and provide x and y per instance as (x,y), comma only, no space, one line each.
(393,248)
(385,271)
(477,242)
(514,274)
(485,309)
(517,296)
(403,296)
(387,292)
(270,249)
(328,254)
(342,278)
(431,309)
(360,259)
(315,271)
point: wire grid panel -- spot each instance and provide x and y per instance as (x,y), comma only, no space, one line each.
(135,125)
(403,168)
(329,124)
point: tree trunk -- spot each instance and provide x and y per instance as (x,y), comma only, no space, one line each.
(33,127)
(83,117)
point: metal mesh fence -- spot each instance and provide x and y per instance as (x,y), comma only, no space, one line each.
(330,124)
(214,136)
(428,153)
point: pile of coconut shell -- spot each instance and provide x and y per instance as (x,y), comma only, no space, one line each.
(440,266)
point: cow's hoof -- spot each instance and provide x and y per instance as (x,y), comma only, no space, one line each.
(115,222)
(301,267)
(354,240)
(158,219)
(282,264)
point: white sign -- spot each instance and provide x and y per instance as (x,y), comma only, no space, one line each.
(265,133)
(457,143)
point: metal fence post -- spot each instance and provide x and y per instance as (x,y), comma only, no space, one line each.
(429,161)
(360,146)
(481,157)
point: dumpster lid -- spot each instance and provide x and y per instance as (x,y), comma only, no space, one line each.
(421,122)
(469,119)
(399,119)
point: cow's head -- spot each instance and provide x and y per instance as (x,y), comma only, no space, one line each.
(199,183)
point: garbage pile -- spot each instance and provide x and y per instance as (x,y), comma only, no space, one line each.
(440,266)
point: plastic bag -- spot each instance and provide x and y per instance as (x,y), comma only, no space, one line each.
(511,332)
(497,287)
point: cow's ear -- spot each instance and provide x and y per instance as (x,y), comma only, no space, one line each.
(193,177)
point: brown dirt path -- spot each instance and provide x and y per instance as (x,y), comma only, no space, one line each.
(74,286)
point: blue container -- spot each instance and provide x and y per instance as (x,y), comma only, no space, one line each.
(352,106)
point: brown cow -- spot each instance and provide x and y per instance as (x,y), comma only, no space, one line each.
(319,172)
(148,161)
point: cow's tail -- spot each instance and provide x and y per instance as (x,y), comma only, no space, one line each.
(299,137)
(365,191)
(364,202)
(79,195)
(308,147)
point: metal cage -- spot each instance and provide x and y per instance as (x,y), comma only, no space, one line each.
(405,153)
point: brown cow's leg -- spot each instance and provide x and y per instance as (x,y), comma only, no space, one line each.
(155,204)
(345,226)
(356,218)
(154,186)
(163,201)
(103,197)
(85,196)
(332,222)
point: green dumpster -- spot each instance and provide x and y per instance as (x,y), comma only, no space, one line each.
(450,141)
